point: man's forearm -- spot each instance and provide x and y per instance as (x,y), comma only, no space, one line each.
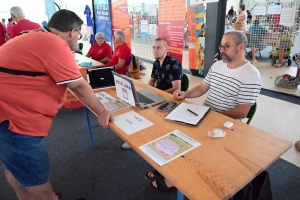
(194,92)
(85,93)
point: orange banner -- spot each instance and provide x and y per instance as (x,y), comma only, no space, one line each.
(121,18)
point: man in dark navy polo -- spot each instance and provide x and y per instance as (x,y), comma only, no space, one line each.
(167,71)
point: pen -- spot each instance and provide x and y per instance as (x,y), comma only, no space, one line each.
(192,112)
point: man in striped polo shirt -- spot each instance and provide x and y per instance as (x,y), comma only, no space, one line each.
(233,84)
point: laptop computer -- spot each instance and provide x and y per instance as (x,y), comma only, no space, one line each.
(101,77)
(142,98)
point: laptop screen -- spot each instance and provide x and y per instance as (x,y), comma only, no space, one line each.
(101,77)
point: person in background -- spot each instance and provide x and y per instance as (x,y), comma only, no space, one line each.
(4,37)
(23,25)
(100,51)
(9,25)
(249,17)
(233,85)
(230,15)
(256,42)
(40,71)
(296,59)
(3,23)
(242,17)
(122,54)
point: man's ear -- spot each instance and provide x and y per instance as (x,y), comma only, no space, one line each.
(71,33)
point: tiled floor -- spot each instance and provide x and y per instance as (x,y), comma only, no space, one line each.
(275,116)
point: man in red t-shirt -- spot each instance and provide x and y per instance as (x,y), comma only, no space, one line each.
(23,25)
(122,53)
(100,51)
(4,37)
(34,79)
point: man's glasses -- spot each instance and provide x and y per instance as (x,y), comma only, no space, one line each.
(101,38)
(79,35)
(225,47)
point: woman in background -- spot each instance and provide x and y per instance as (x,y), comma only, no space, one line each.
(100,51)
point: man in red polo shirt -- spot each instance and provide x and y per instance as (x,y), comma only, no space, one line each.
(23,25)
(4,37)
(122,54)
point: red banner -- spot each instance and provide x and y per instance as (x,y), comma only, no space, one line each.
(171,17)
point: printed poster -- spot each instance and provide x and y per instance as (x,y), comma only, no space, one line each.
(196,28)
(169,147)
(171,19)
(103,18)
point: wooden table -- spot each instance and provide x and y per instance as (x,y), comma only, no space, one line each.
(219,167)
(81,58)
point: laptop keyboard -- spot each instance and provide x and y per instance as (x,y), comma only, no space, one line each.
(144,99)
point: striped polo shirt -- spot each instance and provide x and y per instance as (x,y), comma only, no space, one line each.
(230,87)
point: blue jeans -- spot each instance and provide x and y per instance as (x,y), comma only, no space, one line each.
(24,156)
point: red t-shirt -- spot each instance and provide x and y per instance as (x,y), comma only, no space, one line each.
(30,102)
(99,52)
(22,26)
(123,52)
(2,32)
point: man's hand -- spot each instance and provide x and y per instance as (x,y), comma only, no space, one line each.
(179,94)
(104,118)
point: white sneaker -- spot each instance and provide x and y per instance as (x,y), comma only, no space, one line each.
(126,146)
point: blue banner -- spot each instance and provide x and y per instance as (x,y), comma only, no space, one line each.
(103,18)
(50,8)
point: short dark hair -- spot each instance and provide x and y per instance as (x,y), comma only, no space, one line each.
(9,19)
(65,20)
(164,41)
(242,6)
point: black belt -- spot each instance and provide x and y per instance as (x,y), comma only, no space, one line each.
(21,72)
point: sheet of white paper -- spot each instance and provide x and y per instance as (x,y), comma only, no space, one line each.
(104,97)
(274,9)
(287,16)
(132,122)
(124,90)
(169,147)
(260,10)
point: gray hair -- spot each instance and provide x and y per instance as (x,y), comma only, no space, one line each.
(240,37)
(17,11)
(99,34)
(121,34)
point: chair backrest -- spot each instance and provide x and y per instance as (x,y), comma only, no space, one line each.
(185,83)
(251,113)
(80,46)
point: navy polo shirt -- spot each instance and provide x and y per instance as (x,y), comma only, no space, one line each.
(170,70)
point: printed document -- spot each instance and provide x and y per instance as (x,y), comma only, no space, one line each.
(169,147)
(132,122)
(114,106)
(104,97)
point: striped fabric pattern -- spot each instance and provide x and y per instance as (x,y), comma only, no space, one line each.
(230,87)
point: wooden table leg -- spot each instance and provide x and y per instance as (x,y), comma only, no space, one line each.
(253,56)
(280,59)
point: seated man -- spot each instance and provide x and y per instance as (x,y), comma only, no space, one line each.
(100,51)
(122,54)
(167,71)
(256,42)
(233,85)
